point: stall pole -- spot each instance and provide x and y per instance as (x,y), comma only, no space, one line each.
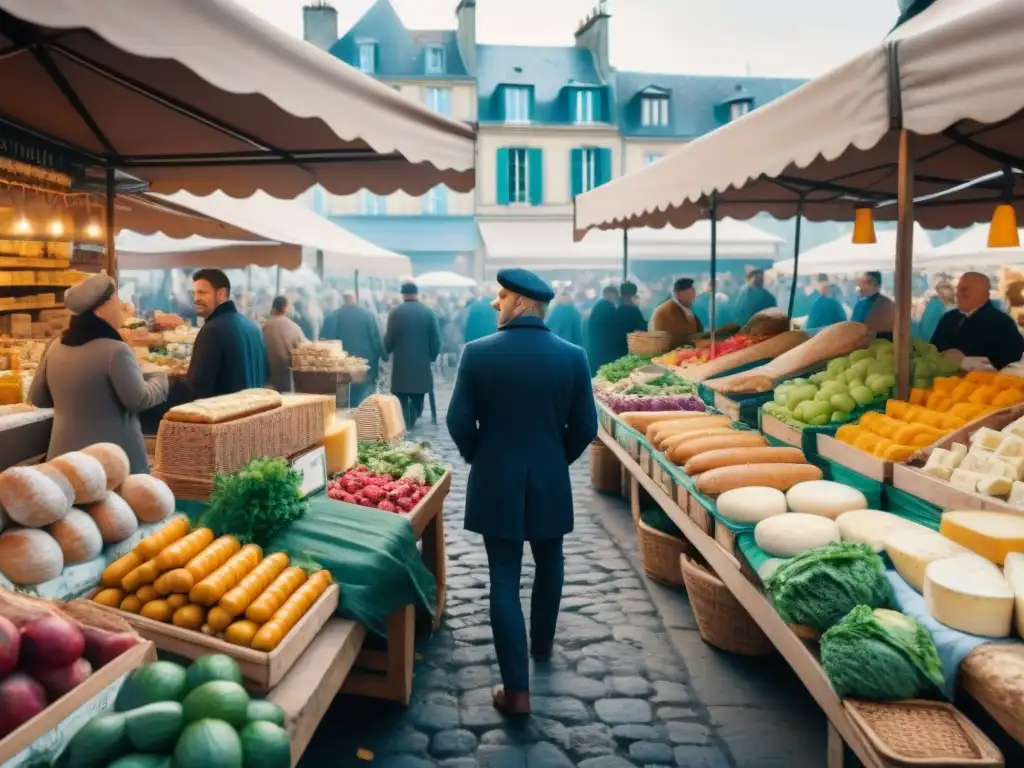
(111,255)
(714,268)
(320,265)
(356,276)
(277,282)
(796,256)
(904,264)
(625,254)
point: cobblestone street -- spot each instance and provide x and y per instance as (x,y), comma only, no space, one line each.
(631,682)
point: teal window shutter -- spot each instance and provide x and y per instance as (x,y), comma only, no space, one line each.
(603,172)
(576,171)
(536,164)
(502,176)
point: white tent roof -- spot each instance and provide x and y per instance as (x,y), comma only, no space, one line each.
(834,140)
(205,95)
(548,244)
(158,251)
(970,250)
(443,280)
(842,256)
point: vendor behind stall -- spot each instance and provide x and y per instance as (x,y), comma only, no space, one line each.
(676,316)
(977,328)
(281,335)
(874,309)
(92,380)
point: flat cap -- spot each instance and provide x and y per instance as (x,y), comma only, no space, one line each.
(525,283)
(89,293)
(409,288)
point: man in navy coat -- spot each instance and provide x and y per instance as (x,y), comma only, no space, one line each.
(521,413)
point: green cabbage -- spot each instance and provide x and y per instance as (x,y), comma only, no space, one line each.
(817,588)
(880,655)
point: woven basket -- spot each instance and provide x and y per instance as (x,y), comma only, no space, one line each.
(605,470)
(187,487)
(921,733)
(660,554)
(722,621)
(200,451)
(648,343)
(370,423)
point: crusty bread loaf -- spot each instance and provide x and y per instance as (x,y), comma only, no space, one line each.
(779,476)
(683,452)
(215,410)
(729,457)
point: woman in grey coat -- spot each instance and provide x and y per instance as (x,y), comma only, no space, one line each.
(91,379)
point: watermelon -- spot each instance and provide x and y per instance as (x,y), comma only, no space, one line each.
(142,761)
(265,745)
(208,743)
(155,727)
(216,666)
(158,681)
(261,709)
(218,700)
(98,742)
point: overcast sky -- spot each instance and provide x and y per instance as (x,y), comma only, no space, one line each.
(800,38)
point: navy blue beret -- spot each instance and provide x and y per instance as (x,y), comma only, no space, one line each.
(525,283)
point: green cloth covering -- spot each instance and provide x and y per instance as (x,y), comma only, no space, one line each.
(371,554)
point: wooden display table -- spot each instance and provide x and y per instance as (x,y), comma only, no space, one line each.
(387,674)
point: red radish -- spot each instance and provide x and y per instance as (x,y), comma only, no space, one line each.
(21,699)
(49,642)
(102,647)
(60,680)
(386,506)
(10,642)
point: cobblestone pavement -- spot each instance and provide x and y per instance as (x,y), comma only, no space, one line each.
(617,692)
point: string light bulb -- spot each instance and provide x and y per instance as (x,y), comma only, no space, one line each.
(93,229)
(22,227)
(56,228)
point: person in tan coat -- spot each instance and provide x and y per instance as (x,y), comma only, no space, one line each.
(676,316)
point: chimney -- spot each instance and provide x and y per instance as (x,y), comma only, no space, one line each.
(320,24)
(592,34)
(465,13)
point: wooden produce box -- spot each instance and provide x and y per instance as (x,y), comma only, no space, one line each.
(262,671)
(333,383)
(40,740)
(696,512)
(727,406)
(605,418)
(785,433)
(629,441)
(943,495)
(847,456)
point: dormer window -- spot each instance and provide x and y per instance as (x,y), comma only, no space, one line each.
(434,60)
(738,109)
(585,106)
(368,57)
(517,104)
(654,111)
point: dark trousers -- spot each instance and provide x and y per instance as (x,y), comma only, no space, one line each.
(505,563)
(412,407)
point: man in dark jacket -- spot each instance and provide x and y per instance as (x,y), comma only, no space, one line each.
(629,318)
(977,328)
(481,319)
(357,330)
(602,330)
(565,321)
(520,441)
(413,340)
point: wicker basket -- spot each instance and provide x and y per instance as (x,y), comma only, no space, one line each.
(919,733)
(660,554)
(722,621)
(370,422)
(648,343)
(605,470)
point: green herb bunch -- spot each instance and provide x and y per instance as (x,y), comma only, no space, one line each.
(256,503)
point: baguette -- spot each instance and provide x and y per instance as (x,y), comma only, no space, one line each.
(672,441)
(782,477)
(764,350)
(641,420)
(690,425)
(730,458)
(682,453)
(670,423)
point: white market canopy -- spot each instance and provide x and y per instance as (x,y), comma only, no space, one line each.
(287,223)
(548,244)
(161,252)
(842,257)
(443,280)
(203,96)
(834,141)
(970,251)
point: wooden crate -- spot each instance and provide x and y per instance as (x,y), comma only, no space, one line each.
(727,406)
(943,495)
(262,671)
(703,519)
(785,433)
(845,455)
(726,540)
(665,481)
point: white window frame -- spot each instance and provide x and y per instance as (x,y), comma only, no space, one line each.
(432,198)
(517,104)
(440,100)
(518,171)
(654,111)
(438,51)
(367,65)
(588,169)
(650,158)
(586,106)
(371,204)
(738,109)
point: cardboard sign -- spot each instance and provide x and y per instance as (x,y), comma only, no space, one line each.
(312,465)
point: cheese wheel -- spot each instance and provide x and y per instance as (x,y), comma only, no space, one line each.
(29,556)
(991,534)
(114,461)
(78,536)
(85,474)
(968,592)
(790,534)
(62,482)
(686,451)
(779,476)
(911,550)
(825,498)
(1013,572)
(31,498)
(752,504)
(728,457)
(149,497)
(872,526)
(115,518)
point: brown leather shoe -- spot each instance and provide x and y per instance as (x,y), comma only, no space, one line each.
(511,702)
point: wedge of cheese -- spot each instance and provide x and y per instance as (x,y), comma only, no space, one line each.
(967,592)
(965,480)
(911,551)
(958,451)
(872,526)
(1017,494)
(994,485)
(341,445)
(987,438)
(1013,572)
(993,535)
(940,464)
(1011,446)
